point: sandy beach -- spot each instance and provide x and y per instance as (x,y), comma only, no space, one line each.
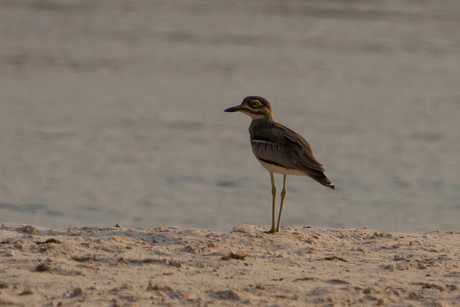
(170,266)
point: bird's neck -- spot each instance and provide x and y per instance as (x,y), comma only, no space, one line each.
(261,121)
(264,119)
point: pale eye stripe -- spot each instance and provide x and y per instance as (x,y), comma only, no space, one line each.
(264,142)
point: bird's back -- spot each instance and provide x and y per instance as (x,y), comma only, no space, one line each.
(276,144)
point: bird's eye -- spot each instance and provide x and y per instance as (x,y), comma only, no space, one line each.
(254,103)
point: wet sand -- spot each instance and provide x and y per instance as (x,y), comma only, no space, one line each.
(172,266)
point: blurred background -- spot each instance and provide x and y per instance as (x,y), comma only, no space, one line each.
(111,111)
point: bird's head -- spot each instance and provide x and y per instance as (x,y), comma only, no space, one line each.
(255,106)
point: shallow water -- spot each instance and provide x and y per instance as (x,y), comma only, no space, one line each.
(112,112)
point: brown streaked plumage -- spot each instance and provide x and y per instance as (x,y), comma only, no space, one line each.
(279,149)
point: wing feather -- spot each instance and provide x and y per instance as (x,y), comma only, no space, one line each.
(280,144)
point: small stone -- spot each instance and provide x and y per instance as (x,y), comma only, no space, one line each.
(412,295)
(76,292)
(30,230)
(4,285)
(389,267)
(260,287)
(158,287)
(399,257)
(52,240)
(369,290)
(182,295)
(175,263)
(228,295)
(86,258)
(127,287)
(42,268)
(335,258)
(195,249)
(114,291)
(337,282)
(150,285)
(380,302)
(240,255)
(129,298)
(26,291)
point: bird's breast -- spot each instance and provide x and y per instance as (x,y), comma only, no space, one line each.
(272,168)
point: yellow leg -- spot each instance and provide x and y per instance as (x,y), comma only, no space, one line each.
(274,204)
(283,194)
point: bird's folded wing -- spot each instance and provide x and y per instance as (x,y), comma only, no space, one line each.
(283,147)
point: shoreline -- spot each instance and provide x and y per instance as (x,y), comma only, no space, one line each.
(96,266)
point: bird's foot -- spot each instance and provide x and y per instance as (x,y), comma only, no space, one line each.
(273,230)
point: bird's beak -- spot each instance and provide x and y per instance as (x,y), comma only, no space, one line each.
(234,109)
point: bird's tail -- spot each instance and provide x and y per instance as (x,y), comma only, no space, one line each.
(321,178)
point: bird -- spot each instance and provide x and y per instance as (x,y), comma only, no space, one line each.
(279,149)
